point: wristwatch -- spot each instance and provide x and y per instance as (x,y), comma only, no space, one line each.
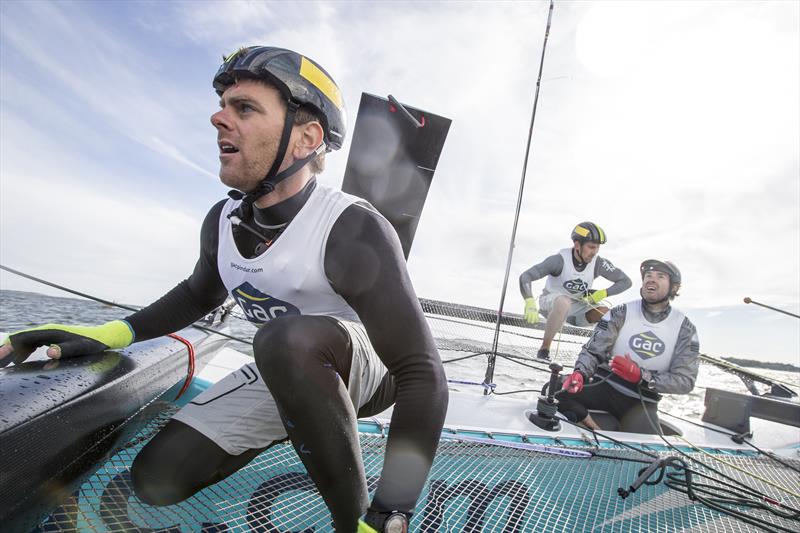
(396,523)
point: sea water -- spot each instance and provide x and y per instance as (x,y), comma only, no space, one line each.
(20,310)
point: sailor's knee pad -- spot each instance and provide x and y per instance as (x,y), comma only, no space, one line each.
(284,347)
(562,302)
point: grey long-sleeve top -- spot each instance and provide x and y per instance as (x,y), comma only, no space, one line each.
(682,373)
(553,265)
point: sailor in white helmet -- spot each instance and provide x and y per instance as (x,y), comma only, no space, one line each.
(651,348)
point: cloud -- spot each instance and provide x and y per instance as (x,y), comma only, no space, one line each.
(117,248)
(175,153)
(115,82)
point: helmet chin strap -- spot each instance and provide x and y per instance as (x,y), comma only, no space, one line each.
(579,254)
(244,212)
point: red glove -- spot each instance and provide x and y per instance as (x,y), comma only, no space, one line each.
(574,383)
(624,367)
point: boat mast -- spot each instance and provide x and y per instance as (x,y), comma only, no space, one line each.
(493,354)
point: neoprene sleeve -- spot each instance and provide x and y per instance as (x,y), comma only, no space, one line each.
(365,264)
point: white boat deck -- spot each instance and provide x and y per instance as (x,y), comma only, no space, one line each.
(472,411)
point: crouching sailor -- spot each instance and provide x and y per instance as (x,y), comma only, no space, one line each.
(342,332)
(568,293)
(652,349)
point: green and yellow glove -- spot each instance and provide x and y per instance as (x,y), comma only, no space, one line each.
(595,297)
(363,527)
(531,311)
(65,341)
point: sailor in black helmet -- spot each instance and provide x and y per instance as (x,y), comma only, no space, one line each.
(568,293)
(323,274)
(651,348)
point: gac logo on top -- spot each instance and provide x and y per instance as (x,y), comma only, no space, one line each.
(575,286)
(258,307)
(646,345)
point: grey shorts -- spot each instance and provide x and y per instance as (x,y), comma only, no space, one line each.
(238,412)
(577,309)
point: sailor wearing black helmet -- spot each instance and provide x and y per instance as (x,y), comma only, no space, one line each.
(568,293)
(651,349)
(323,274)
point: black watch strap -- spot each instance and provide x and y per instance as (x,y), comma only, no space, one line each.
(387,522)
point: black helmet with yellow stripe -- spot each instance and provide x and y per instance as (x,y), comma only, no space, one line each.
(588,232)
(303,83)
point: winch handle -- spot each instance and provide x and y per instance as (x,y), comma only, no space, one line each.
(555,378)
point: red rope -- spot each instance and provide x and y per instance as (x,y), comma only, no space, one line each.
(190,366)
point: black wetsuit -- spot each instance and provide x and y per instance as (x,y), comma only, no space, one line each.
(365,265)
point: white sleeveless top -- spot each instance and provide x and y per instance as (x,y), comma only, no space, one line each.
(289,277)
(570,281)
(650,345)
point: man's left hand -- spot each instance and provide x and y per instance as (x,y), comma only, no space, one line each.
(595,297)
(626,368)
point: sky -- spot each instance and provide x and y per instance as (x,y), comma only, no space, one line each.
(673,125)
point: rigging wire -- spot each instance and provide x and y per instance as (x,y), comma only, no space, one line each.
(736,438)
(716,503)
(657,428)
(113,304)
(470,356)
(731,465)
(490,366)
(675,482)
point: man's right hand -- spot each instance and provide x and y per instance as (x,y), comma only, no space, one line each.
(574,383)
(531,311)
(65,341)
